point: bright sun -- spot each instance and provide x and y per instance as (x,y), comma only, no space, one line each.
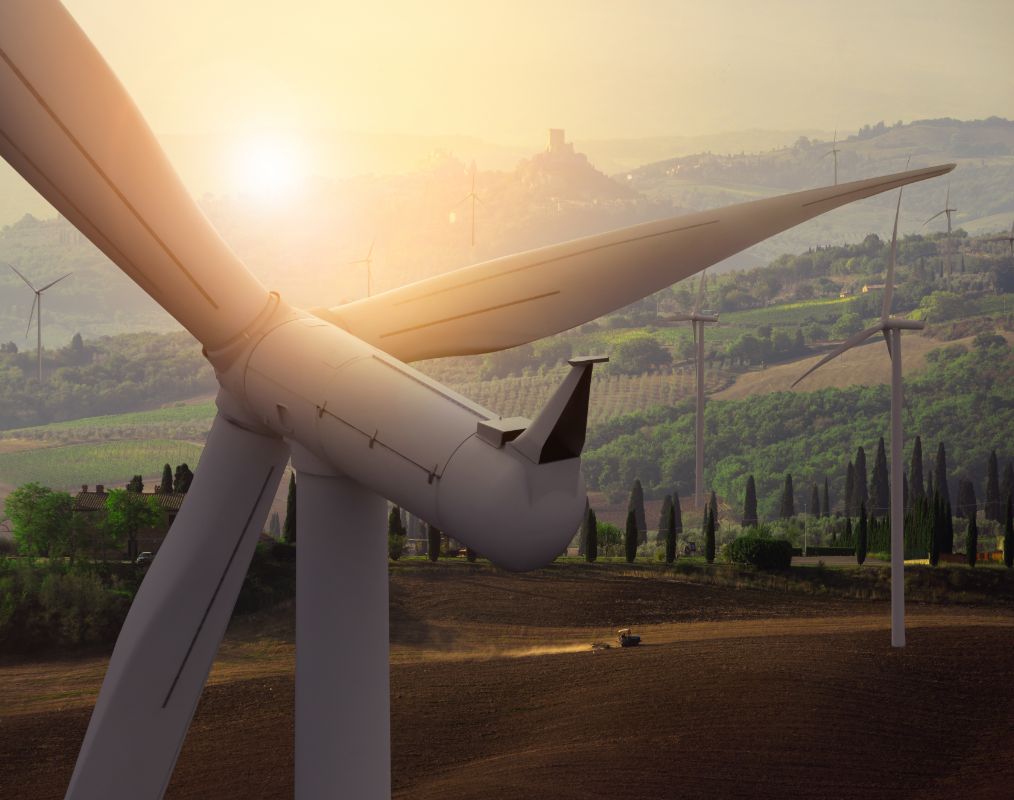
(269,168)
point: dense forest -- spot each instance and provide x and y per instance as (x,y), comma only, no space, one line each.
(107,376)
(962,398)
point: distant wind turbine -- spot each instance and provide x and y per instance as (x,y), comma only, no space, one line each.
(475,199)
(834,151)
(1009,238)
(368,261)
(37,303)
(947,210)
(697,321)
(891,327)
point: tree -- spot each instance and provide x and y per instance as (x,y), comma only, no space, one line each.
(182,479)
(713,505)
(787,509)
(638,353)
(880,489)
(750,504)
(395,533)
(936,530)
(636,504)
(967,503)
(709,536)
(631,536)
(127,513)
(136,485)
(972,541)
(994,507)
(861,536)
(861,497)
(470,554)
(677,513)
(915,483)
(582,534)
(850,490)
(663,520)
(289,528)
(848,535)
(1008,534)
(670,535)
(41,521)
(940,478)
(815,501)
(166,486)
(825,506)
(947,545)
(432,542)
(592,541)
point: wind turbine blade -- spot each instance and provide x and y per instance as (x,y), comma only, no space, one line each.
(369,253)
(68,126)
(177,620)
(887,341)
(849,343)
(22,277)
(53,283)
(927,222)
(31,314)
(700,292)
(509,301)
(889,283)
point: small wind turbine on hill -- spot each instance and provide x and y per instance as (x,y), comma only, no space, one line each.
(1009,238)
(37,304)
(368,261)
(475,199)
(834,151)
(891,327)
(947,210)
(697,321)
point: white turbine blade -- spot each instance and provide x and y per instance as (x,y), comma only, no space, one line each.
(513,300)
(70,129)
(889,283)
(177,620)
(31,314)
(369,253)
(700,292)
(849,343)
(18,272)
(927,222)
(53,283)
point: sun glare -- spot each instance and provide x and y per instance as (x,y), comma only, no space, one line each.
(269,169)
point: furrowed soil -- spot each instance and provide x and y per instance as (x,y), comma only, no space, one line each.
(496,693)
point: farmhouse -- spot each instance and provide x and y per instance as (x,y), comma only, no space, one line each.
(93,504)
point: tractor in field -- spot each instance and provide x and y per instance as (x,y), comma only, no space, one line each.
(626,638)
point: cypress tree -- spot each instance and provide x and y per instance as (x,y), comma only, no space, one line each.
(972,541)
(940,479)
(663,520)
(750,504)
(136,485)
(994,508)
(967,503)
(182,479)
(850,490)
(289,528)
(631,536)
(395,533)
(906,500)
(713,505)
(166,486)
(636,504)
(825,506)
(670,535)
(788,507)
(862,536)
(592,542)
(947,545)
(1007,484)
(936,530)
(930,488)
(582,539)
(848,536)
(432,542)
(815,501)
(880,490)
(709,536)
(915,483)
(1008,534)
(677,514)
(861,495)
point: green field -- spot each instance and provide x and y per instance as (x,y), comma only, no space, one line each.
(110,463)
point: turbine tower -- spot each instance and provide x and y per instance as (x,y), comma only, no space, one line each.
(891,327)
(37,311)
(698,321)
(475,199)
(331,388)
(368,261)
(834,151)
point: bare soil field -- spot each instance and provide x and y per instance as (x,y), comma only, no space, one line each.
(497,694)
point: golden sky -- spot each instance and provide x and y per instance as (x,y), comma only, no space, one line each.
(506,71)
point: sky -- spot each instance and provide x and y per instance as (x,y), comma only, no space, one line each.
(505,72)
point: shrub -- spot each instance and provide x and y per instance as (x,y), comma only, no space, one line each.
(760,552)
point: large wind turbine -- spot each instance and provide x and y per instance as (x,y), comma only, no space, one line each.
(37,310)
(891,327)
(698,321)
(331,388)
(834,151)
(475,199)
(946,210)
